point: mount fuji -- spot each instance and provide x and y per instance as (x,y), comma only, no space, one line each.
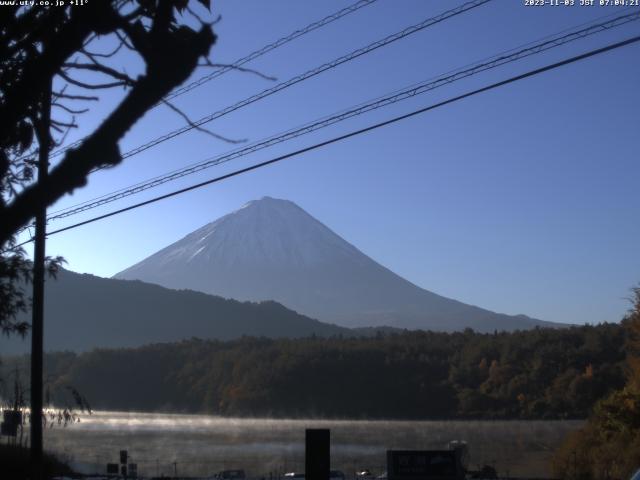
(271,249)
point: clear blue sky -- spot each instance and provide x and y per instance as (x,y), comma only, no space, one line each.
(521,200)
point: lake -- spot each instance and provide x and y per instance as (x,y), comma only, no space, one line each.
(202,445)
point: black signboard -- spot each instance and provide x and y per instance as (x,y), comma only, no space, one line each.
(9,429)
(317,453)
(423,465)
(12,417)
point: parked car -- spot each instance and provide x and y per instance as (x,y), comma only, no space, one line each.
(292,475)
(230,475)
(336,475)
(364,474)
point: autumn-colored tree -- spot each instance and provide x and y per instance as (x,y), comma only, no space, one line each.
(609,445)
(632,323)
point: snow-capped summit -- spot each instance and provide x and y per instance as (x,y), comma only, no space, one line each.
(262,233)
(271,249)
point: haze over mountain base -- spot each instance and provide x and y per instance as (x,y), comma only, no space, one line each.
(84,312)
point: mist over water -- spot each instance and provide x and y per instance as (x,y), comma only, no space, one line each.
(204,444)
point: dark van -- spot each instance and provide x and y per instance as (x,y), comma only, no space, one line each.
(230,475)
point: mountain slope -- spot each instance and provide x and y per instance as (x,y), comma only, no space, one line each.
(85,312)
(272,249)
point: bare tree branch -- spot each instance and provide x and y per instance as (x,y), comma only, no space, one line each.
(92,86)
(67,37)
(199,18)
(75,97)
(199,128)
(170,52)
(124,41)
(64,124)
(103,55)
(207,63)
(61,140)
(69,110)
(96,67)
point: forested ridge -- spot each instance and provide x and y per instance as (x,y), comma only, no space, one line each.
(540,373)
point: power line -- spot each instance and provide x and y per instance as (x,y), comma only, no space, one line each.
(362,108)
(409,92)
(309,74)
(316,146)
(248,58)
(214,160)
(278,43)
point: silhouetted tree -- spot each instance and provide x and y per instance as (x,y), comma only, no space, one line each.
(65,47)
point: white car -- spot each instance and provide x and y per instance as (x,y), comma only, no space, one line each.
(292,475)
(364,474)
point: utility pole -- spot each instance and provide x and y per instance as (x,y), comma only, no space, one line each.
(42,132)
